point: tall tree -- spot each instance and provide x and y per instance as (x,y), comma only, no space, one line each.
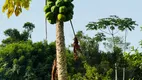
(58,12)
(14,35)
(112,23)
(28,28)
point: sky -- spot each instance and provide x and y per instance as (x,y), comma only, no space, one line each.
(85,11)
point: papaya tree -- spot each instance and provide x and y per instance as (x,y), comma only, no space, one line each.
(113,24)
(57,11)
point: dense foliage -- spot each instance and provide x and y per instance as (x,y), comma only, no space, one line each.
(21,59)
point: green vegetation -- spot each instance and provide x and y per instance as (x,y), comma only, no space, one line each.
(22,59)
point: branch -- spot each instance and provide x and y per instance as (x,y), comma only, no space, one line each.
(125,39)
(105,32)
(109,31)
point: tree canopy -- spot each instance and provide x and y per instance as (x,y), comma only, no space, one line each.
(15,6)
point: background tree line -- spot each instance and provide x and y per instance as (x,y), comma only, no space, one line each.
(21,59)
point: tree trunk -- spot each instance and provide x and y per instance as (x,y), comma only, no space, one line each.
(60,51)
(124,73)
(115,71)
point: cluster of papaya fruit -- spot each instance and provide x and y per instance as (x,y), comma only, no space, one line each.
(61,10)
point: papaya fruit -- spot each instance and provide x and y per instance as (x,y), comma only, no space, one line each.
(62,9)
(68,17)
(59,3)
(67,1)
(55,9)
(46,9)
(70,7)
(49,15)
(50,3)
(52,21)
(61,17)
